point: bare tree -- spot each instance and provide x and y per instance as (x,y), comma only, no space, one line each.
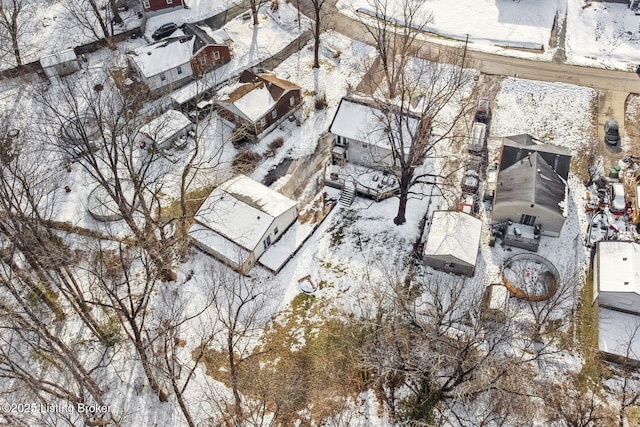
(241,305)
(395,39)
(91,15)
(255,6)
(318,26)
(13,22)
(420,125)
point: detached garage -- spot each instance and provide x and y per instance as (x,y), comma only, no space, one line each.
(453,242)
(240,220)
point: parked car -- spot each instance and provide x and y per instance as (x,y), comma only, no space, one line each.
(638,70)
(618,203)
(611,132)
(483,113)
(164,31)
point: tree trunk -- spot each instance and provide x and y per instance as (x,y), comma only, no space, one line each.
(114,10)
(405,182)
(14,37)
(103,25)
(233,374)
(316,37)
(254,11)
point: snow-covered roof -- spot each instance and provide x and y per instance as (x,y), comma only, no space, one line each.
(165,126)
(361,122)
(619,333)
(242,210)
(255,103)
(618,266)
(58,58)
(454,234)
(220,244)
(163,55)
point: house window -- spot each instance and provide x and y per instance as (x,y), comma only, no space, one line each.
(275,231)
(263,122)
(527,220)
(169,1)
(292,101)
(451,265)
(179,69)
(163,77)
(267,242)
(364,158)
(365,145)
(274,114)
(216,55)
(203,60)
(145,4)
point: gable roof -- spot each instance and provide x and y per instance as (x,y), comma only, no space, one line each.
(531,180)
(516,147)
(165,126)
(360,121)
(257,96)
(618,266)
(454,234)
(242,210)
(164,55)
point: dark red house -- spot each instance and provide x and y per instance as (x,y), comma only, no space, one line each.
(156,7)
(258,103)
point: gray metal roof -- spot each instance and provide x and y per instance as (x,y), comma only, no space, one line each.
(531,180)
(516,147)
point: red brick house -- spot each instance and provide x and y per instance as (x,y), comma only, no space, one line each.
(174,61)
(156,7)
(258,102)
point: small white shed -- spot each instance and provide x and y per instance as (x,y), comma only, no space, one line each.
(453,242)
(165,130)
(616,275)
(60,63)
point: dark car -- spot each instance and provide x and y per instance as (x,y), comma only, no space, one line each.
(638,70)
(164,31)
(611,132)
(483,113)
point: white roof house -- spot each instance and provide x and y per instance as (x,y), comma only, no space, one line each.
(453,242)
(240,219)
(360,122)
(163,55)
(165,129)
(616,275)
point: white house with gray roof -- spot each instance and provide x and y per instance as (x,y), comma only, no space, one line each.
(241,219)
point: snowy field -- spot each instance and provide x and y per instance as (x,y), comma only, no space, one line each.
(603,35)
(492,22)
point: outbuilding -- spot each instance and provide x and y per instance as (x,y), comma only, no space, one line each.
(453,242)
(240,220)
(60,63)
(616,276)
(165,130)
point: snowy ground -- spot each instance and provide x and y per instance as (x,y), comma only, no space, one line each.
(50,27)
(198,10)
(603,35)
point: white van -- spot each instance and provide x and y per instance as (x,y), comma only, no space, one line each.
(478,137)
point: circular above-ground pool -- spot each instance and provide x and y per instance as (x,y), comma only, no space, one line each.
(530,277)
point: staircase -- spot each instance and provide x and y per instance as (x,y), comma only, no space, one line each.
(348,194)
